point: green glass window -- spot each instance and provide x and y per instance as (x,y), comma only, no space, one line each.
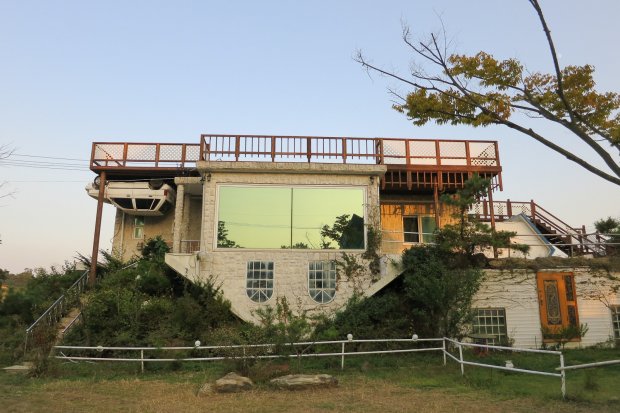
(418,228)
(265,217)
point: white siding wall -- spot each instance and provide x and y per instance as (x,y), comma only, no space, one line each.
(516,291)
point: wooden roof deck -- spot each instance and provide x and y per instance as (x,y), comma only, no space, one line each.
(419,164)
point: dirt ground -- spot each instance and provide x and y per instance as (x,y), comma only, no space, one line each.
(352,395)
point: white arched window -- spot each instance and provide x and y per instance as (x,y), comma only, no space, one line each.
(322,281)
(259,282)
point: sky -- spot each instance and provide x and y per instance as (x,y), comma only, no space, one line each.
(74,72)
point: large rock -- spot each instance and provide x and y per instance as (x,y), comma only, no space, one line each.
(304,381)
(232,383)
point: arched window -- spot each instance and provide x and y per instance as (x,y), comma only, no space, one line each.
(259,283)
(322,281)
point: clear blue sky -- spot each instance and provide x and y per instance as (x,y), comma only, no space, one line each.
(77,71)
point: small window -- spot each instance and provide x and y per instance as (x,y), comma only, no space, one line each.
(615,320)
(418,229)
(492,322)
(138,227)
(322,281)
(259,284)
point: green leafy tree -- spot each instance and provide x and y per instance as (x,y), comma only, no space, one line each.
(610,228)
(441,279)
(470,236)
(155,249)
(481,90)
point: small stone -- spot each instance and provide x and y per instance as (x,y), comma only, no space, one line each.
(304,381)
(232,383)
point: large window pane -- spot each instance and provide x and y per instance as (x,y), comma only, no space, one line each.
(293,217)
(428,228)
(254,217)
(338,212)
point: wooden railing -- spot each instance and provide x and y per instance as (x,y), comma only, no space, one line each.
(420,153)
(577,236)
(112,155)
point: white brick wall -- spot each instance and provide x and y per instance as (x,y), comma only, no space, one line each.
(290,267)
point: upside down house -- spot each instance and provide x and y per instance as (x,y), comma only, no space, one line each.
(268,216)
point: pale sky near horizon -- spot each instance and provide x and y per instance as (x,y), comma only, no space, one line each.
(74,72)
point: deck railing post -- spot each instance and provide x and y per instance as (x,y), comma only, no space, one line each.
(533,209)
(308,149)
(125,154)
(467,154)
(237,146)
(509,208)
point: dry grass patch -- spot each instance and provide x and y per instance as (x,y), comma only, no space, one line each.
(355,394)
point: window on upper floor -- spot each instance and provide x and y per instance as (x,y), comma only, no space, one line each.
(419,228)
(277,217)
(322,281)
(138,227)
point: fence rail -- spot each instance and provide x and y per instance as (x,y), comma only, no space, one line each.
(56,311)
(344,348)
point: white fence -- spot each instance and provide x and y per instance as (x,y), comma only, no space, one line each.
(343,348)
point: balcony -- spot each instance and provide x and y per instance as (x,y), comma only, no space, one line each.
(421,164)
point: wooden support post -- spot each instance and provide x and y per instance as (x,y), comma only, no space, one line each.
(509,208)
(492,208)
(437,206)
(533,209)
(92,275)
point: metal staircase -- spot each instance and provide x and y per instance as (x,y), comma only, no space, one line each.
(573,241)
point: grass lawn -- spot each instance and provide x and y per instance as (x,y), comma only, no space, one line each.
(417,382)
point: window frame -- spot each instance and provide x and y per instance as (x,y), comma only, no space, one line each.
(138,227)
(256,290)
(421,234)
(331,276)
(365,200)
(615,321)
(501,335)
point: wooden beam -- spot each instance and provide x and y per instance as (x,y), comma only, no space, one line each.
(92,275)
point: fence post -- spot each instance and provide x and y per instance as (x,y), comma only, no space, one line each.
(342,357)
(443,345)
(142,360)
(461,359)
(563,376)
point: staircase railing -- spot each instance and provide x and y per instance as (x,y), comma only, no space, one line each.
(583,243)
(56,311)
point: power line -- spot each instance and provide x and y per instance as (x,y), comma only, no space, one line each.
(48,166)
(50,157)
